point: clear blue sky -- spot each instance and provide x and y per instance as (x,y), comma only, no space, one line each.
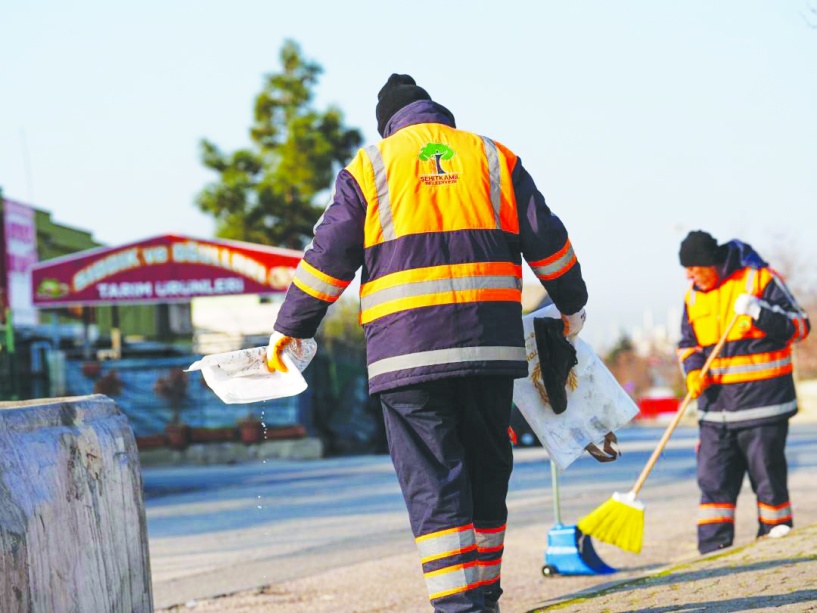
(639,120)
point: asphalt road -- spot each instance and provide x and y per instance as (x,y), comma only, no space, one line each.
(217,530)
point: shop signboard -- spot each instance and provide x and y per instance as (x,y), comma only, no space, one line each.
(167,268)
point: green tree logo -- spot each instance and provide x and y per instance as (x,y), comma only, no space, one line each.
(438,151)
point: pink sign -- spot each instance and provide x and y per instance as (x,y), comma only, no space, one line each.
(168,268)
(20,242)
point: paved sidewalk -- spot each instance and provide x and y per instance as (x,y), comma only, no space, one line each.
(769,574)
(765,575)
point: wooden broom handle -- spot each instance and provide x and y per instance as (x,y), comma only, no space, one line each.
(680,413)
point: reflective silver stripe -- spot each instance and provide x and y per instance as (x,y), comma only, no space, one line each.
(454,284)
(556,266)
(495,177)
(451,580)
(445,544)
(769,514)
(734,370)
(489,571)
(490,540)
(708,513)
(310,280)
(383,199)
(750,281)
(489,546)
(798,316)
(799,327)
(446,356)
(783,288)
(323,215)
(722,417)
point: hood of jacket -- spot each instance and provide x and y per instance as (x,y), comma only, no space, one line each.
(739,255)
(421,111)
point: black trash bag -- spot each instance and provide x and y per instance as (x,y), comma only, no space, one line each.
(557,356)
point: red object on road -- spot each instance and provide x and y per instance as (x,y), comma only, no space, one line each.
(657,402)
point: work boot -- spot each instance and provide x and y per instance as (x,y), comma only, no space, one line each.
(779,531)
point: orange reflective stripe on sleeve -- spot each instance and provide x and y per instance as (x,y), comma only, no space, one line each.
(318,284)
(800,328)
(684,352)
(554,266)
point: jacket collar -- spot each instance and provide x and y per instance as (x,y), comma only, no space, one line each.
(421,111)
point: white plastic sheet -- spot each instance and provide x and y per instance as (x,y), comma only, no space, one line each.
(596,406)
(239,377)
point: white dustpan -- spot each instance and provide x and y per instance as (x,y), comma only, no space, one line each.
(239,377)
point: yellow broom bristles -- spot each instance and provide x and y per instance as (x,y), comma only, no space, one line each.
(619,521)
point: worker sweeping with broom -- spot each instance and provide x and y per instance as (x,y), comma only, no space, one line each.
(741,374)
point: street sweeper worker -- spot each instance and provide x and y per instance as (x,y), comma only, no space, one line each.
(439,220)
(747,397)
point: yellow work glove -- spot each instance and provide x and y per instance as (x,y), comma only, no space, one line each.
(277,343)
(696,384)
(574,323)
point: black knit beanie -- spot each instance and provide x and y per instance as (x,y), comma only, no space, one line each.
(399,91)
(699,248)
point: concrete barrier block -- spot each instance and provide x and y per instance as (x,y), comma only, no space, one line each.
(73,534)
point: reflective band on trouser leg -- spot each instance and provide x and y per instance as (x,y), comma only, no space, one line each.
(772,515)
(490,546)
(554,266)
(449,559)
(716,513)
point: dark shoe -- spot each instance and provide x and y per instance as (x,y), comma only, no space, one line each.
(491,607)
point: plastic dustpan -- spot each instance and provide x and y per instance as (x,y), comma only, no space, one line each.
(569,550)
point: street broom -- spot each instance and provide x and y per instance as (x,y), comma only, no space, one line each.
(620,520)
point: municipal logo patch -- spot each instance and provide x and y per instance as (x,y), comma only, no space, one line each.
(436,153)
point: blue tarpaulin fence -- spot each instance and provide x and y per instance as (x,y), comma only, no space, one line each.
(132,384)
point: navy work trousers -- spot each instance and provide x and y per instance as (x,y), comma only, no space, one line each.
(724,457)
(449,443)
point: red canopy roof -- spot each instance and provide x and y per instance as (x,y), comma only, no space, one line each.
(167,268)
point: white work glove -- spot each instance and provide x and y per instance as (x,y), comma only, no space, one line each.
(574,323)
(277,343)
(746,304)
